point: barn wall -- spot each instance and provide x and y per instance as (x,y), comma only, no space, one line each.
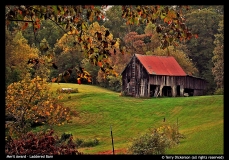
(126,83)
(198,92)
(135,79)
(194,83)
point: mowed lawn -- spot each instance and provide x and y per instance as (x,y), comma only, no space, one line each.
(98,110)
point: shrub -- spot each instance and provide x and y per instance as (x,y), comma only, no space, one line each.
(30,103)
(42,143)
(86,143)
(219,91)
(65,136)
(155,142)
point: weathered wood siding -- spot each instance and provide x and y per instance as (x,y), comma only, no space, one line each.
(186,81)
(135,79)
(194,83)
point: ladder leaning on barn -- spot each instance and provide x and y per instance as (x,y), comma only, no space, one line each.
(133,77)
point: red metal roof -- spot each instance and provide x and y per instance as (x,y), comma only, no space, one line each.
(161,65)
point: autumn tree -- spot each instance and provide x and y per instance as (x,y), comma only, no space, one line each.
(75,19)
(30,102)
(17,55)
(67,55)
(218,59)
(114,82)
(154,41)
(135,43)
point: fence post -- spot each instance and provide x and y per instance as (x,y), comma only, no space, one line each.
(112,140)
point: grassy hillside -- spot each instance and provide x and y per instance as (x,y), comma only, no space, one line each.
(200,119)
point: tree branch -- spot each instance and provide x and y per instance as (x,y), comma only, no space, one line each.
(18,20)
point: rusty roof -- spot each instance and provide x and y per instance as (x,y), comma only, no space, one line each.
(161,65)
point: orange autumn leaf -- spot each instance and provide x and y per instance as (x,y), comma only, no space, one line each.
(100,64)
(25,26)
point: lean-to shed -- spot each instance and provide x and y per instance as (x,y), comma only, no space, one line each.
(153,76)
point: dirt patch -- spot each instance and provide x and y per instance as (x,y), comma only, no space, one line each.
(118,151)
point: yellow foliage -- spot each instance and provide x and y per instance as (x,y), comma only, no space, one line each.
(27,103)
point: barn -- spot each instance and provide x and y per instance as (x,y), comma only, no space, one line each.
(158,76)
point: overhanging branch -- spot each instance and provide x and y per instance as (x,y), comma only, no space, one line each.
(18,20)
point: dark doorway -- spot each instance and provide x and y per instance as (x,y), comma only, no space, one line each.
(189,91)
(152,90)
(167,91)
(178,90)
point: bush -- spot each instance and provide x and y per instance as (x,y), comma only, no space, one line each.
(148,144)
(42,143)
(219,91)
(30,103)
(86,143)
(65,136)
(155,142)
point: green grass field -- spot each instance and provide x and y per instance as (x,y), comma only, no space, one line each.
(200,119)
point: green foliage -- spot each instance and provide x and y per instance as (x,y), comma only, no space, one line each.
(80,143)
(111,82)
(114,83)
(204,22)
(48,30)
(12,76)
(218,58)
(17,54)
(65,136)
(219,91)
(156,141)
(114,19)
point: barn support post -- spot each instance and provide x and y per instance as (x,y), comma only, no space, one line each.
(181,90)
(161,86)
(148,95)
(174,91)
(156,92)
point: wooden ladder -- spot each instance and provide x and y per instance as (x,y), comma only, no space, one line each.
(133,76)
